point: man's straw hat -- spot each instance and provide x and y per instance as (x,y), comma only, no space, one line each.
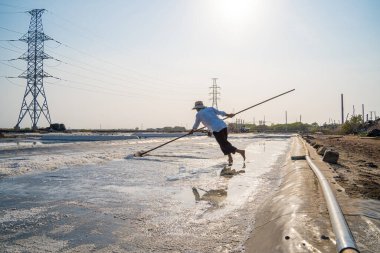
(199,105)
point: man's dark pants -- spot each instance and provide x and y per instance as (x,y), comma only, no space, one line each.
(225,145)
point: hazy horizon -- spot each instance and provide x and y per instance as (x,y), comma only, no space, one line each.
(127,64)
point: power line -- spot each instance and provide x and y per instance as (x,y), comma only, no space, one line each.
(56,65)
(160,91)
(9,30)
(116,76)
(148,77)
(108,46)
(10,49)
(75,25)
(131,95)
(12,44)
(121,67)
(11,12)
(58,45)
(138,82)
(105,88)
(90,85)
(103,81)
(142,81)
(97,70)
(11,66)
(15,7)
(7,78)
(84,89)
(102,60)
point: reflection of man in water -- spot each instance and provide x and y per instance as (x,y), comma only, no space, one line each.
(209,117)
(213,196)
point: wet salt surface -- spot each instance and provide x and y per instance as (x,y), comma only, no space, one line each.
(142,204)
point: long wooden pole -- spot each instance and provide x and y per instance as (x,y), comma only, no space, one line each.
(145,152)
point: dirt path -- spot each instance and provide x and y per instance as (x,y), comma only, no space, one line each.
(358,167)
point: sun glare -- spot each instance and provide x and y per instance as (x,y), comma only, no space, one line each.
(236,11)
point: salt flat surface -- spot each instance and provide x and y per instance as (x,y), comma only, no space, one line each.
(87,197)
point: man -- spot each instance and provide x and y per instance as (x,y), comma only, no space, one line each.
(209,117)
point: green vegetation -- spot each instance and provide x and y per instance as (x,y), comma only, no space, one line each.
(167,129)
(279,128)
(353,125)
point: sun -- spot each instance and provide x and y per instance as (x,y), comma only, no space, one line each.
(235,11)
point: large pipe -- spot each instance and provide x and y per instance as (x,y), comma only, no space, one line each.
(344,240)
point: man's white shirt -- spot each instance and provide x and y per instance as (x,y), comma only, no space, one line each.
(209,118)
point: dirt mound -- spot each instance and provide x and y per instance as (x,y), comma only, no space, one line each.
(358,166)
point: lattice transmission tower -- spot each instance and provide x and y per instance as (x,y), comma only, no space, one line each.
(215,93)
(34,102)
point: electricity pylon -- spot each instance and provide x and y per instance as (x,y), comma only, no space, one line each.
(34,102)
(215,92)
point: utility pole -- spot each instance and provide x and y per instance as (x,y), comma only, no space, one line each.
(353,110)
(34,102)
(362,113)
(371,114)
(300,118)
(342,107)
(215,93)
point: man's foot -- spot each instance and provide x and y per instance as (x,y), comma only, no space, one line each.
(230,161)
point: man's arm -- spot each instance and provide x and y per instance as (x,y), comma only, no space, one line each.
(222,113)
(196,124)
(217,112)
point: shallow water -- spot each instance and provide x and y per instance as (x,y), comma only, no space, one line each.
(172,200)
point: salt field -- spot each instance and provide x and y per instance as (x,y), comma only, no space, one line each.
(116,132)
(86,196)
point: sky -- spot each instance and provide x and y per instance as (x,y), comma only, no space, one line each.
(143,63)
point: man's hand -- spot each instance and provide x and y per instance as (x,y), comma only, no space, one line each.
(230,115)
(209,133)
(191,131)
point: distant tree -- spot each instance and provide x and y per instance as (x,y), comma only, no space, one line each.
(172,129)
(353,125)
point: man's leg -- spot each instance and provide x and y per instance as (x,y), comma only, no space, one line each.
(230,160)
(225,146)
(241,152)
